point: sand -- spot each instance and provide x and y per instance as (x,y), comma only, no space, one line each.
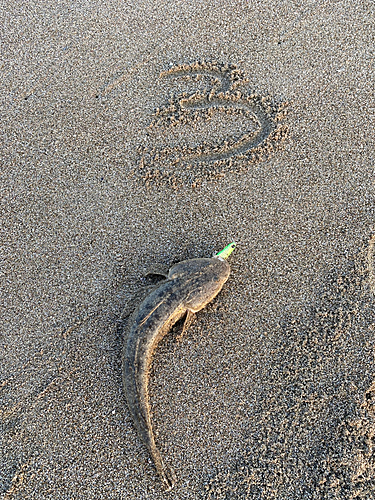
(270,394)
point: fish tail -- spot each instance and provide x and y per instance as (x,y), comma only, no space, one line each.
(166,474)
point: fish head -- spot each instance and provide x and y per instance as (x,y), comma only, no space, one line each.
(202,278)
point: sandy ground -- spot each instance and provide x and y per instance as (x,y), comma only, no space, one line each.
(270,395)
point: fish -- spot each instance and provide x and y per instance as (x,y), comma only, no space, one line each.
(189,286)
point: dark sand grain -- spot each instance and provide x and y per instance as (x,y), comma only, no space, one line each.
(270,395)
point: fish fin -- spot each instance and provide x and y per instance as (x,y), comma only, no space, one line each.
(166,474)
(158,272)
(136,299)
(188,321)
(151,312)
(168,477)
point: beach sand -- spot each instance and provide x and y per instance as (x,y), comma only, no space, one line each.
(270,394)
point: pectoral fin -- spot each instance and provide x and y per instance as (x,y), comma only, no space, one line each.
(157,272)
(188,321)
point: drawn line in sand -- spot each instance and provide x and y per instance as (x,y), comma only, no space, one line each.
(117,80)
(371,263)
(180,165)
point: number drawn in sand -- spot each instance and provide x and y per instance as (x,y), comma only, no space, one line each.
(253,128)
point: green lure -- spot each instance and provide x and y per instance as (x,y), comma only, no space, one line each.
(224,254)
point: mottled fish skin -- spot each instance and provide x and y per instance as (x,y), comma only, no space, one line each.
(190,285)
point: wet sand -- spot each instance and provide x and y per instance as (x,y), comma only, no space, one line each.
(111,166)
